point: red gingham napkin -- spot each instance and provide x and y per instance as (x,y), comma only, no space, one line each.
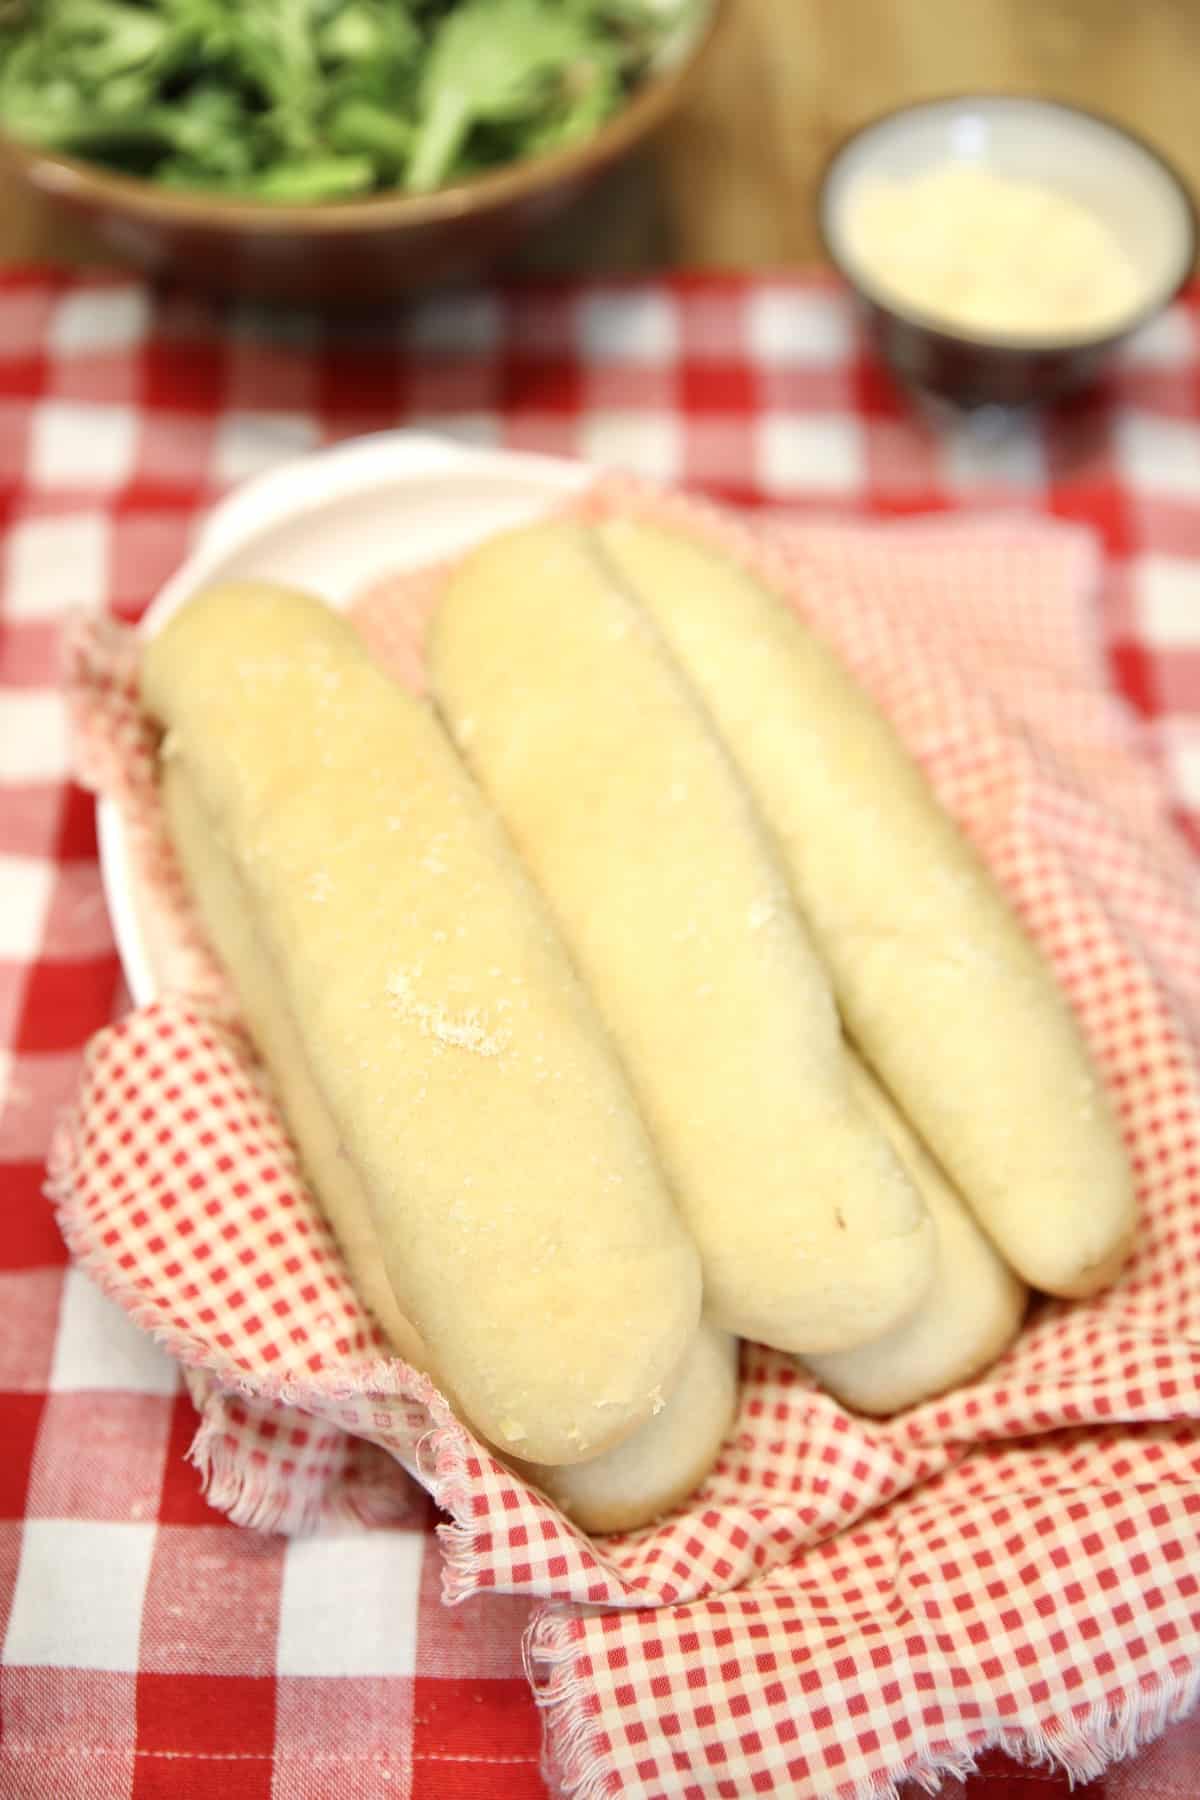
(151,1651)
(177,1190)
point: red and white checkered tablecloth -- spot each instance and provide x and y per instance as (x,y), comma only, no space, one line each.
(149,1648)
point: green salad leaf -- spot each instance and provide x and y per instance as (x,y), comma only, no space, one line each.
(310,100)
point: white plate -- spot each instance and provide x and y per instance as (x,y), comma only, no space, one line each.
(334,522)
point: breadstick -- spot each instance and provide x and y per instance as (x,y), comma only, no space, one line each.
(618,1490)
(948,998)
(972,1312)
(224,906)
(521,1217)
(659,1466)
(624,807)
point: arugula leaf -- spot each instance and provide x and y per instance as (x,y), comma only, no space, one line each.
(490,60)
(309,100)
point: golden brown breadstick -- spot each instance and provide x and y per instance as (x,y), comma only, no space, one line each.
(947,996)
(627,812)
(523,1223)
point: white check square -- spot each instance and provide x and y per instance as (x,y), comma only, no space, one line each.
(98,1347)
(26,887)
(1183,766)
(817,451)
(455,325)
(627,328)
(73,444)
(34,1088)
(1168,600)
(248,443)
(789,329)
(79,1593)
(55,564)
(1011,457)
(646,444)
(89,323)
(34,739)
(1166,342)
(348,1604)
(1158,456)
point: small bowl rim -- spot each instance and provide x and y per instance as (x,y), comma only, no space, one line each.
(1000,344)
(75,178)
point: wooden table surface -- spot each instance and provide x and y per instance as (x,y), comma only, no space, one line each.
(730,182)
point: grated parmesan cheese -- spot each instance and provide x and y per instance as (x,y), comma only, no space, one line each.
(983,254)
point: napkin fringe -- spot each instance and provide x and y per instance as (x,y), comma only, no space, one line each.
(245,1495)
(442,1469)
(573,1763)
(229,1481)
(1111,1731)
(253,1498)
(576,1748)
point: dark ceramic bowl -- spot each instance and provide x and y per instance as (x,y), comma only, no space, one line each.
(1097,163)
(352,252)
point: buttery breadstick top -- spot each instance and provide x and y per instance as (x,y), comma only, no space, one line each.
(939,985)
(522,1216)
(630,816)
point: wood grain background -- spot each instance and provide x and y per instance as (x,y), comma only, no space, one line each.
(730,183)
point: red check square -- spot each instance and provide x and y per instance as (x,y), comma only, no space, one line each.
(67,1001)
(29,1236)
(206,1715)
(20,1420)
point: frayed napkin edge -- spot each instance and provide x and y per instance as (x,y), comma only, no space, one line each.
(576,1760)
(439,1461)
